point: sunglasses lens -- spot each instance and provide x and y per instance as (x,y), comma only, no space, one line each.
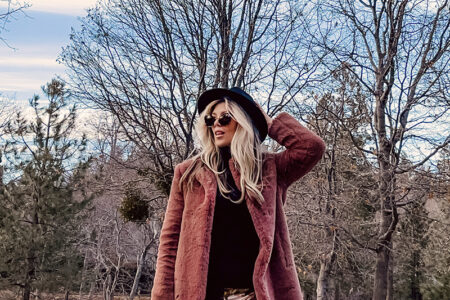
(224,120)
(209,121)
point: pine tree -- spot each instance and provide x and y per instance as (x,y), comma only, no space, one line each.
(437,253)
(42,201)
(412,239)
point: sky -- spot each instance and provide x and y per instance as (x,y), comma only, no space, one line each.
(34,42)
(35,39)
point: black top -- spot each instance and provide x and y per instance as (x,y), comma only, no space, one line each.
(234,242)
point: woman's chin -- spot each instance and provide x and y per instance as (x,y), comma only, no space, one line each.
(221,144)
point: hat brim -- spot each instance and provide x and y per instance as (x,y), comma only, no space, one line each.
(248,105)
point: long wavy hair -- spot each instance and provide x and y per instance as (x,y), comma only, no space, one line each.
(245,148)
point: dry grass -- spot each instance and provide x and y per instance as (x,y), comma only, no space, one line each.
(8,295)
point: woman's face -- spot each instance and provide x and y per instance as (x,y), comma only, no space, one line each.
(222,134)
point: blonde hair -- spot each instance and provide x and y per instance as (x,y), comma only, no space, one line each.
(245,148)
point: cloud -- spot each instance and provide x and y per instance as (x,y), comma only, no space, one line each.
(28,62)
(75,8)
(11,84)
(26,73)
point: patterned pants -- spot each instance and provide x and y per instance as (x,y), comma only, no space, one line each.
(239,294)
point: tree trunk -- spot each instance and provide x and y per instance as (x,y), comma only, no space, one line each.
(107,285)
(389,219)
(1,176)
(415,276)
(326,265)
(386,184)
(66,296)
(30,269)
(381,271)
(140,265)
(337,288)
(323,282)
(91,291)
(80,295)
(390,291)
(26,292)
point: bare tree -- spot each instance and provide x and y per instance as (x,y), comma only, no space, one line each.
(8,11)
(333,203)
(399,51)
(341,165)
(118,253)
(146,62)
(6,113)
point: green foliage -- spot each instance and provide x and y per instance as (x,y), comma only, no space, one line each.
(133,207)
(307,284)
(437,288)
(163,183)
(436,283)
(422,243)
(412,240)
(43,207)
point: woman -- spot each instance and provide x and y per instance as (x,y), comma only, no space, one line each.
(225,230)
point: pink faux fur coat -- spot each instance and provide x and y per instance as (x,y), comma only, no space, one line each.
(182,264)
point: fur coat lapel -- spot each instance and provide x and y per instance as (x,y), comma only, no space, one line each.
(260,213)
(263,215)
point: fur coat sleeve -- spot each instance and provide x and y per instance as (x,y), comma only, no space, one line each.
(303,149)
(170,234)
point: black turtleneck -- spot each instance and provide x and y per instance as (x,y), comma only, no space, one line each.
(234,242)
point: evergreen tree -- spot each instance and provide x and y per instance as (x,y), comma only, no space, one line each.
(412,240)
(436,284)
(42,207)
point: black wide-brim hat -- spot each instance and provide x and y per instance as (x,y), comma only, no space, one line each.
(240,97)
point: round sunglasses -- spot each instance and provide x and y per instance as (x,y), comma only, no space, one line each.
(224,120)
